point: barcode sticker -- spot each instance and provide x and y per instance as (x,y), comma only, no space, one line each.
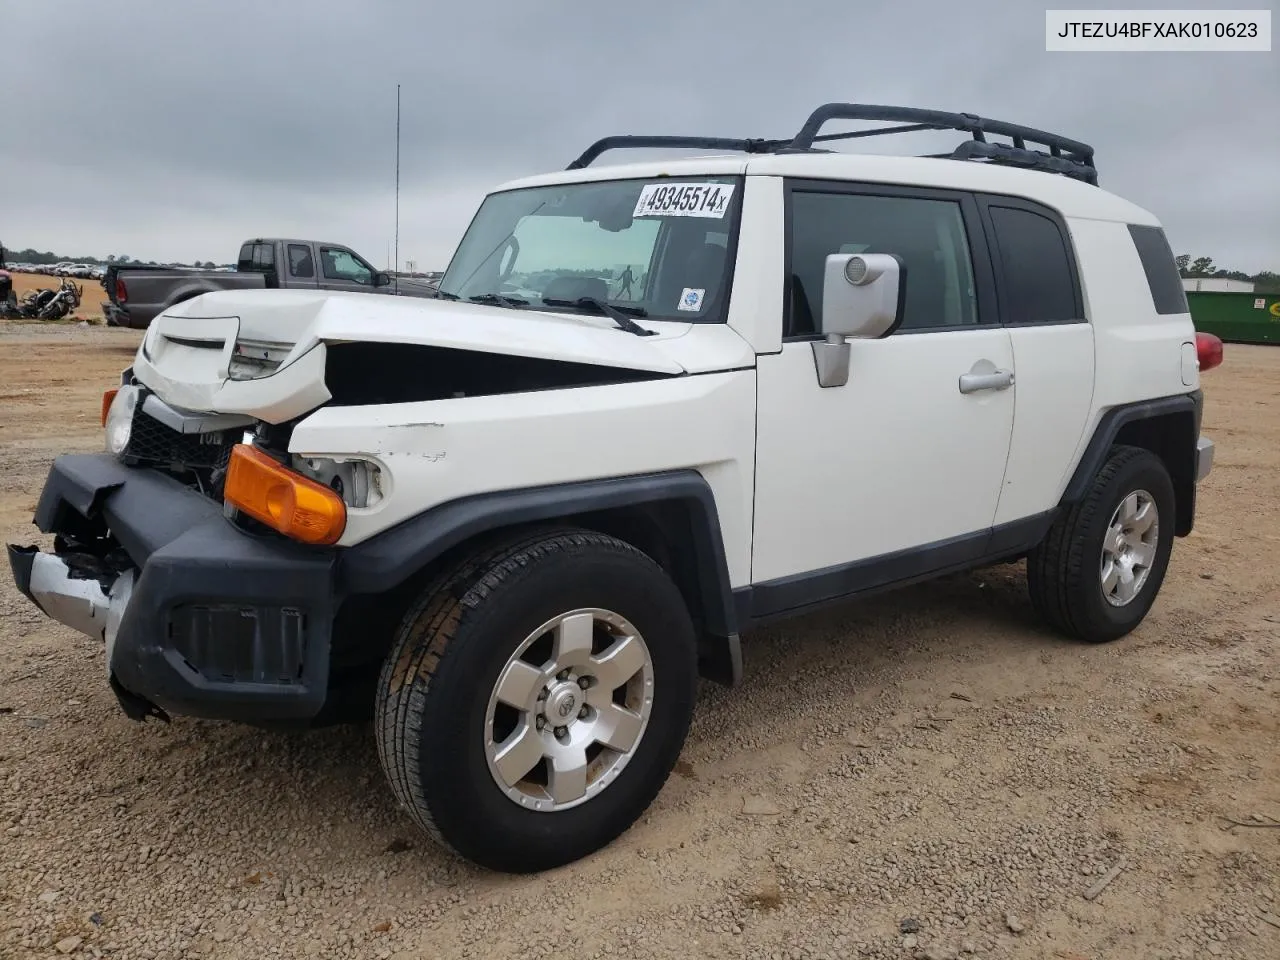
(684,200)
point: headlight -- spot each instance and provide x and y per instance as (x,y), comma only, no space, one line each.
(119,426)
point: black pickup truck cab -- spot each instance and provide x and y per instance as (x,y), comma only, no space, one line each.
(138,294)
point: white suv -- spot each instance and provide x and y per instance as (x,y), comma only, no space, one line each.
(653,407)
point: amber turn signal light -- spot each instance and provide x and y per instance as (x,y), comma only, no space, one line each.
(107,397)
(284,500)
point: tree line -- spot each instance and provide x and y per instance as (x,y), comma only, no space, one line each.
(1266,281)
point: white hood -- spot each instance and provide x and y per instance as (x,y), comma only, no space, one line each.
(187,350)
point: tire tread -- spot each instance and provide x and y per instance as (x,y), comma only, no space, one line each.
(1056,567)
(423,644)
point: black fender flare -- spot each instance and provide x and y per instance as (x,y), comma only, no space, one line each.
(388,559)
(1109,429)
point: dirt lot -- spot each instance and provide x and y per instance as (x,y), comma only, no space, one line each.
(91,298)
(928,774)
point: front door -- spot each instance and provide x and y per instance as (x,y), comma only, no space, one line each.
(898,472)
(340,269)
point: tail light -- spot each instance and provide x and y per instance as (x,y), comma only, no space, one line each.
(1208,351)
(122,292)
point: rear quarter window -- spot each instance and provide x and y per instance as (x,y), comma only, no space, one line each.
(1038,281)
(1163,279)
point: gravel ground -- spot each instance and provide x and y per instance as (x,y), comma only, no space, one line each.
(928,774)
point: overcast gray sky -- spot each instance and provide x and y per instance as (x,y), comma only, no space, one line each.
(173,130)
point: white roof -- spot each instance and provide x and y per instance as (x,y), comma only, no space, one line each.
(1072,198)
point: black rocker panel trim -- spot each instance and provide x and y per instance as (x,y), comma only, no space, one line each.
(802,593)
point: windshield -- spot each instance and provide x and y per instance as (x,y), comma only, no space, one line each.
(661,249)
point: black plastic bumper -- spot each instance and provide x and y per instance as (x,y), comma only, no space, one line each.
(220,624)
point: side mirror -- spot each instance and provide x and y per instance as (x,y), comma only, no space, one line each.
(382,279)
(862,297)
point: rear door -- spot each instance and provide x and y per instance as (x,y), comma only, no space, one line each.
(1042,307)
(302,265)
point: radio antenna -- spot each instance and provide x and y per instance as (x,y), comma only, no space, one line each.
(396,265)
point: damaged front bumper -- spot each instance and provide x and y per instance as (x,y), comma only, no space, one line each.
(198,617)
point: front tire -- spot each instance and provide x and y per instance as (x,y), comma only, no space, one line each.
(536,699)
(1100,567)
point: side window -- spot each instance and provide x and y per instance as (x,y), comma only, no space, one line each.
(342,265)
(1034,269)
(301,264)
(1158,264)
(245,262)
(929,235)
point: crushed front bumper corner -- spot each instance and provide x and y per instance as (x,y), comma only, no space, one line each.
(198,617)
(70,596)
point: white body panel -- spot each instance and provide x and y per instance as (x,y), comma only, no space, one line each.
(1071,197)
(306,317)
(195,378)
(896,458)
(1138,354)
(446,449)
(756,302)
(1052,395)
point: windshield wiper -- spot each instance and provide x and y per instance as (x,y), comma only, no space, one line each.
(500,299)
(617,314)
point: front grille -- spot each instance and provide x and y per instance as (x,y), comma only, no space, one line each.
(152,442)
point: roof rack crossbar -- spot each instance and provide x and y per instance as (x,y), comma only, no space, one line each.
(1070,157)
(1065,156)
(642,142)
(940,119)
(854,134)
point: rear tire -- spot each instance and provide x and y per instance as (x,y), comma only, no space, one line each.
(503,676)
(1099,569)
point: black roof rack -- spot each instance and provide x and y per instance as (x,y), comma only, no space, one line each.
(1064,156)
(641,142)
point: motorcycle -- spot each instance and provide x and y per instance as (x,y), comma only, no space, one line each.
(65,301)
(44,304)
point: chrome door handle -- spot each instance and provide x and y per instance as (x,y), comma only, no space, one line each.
(973,382)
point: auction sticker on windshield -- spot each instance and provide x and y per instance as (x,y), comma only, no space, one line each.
(684,200)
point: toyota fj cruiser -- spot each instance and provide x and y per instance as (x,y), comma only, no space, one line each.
(652,407)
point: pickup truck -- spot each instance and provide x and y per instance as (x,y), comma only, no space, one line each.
(137,294)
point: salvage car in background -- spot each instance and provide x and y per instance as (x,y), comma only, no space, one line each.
(137,294)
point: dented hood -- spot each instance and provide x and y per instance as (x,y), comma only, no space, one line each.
(186,352)
(304,318)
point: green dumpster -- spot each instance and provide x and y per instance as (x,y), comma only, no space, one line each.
(1236,317)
